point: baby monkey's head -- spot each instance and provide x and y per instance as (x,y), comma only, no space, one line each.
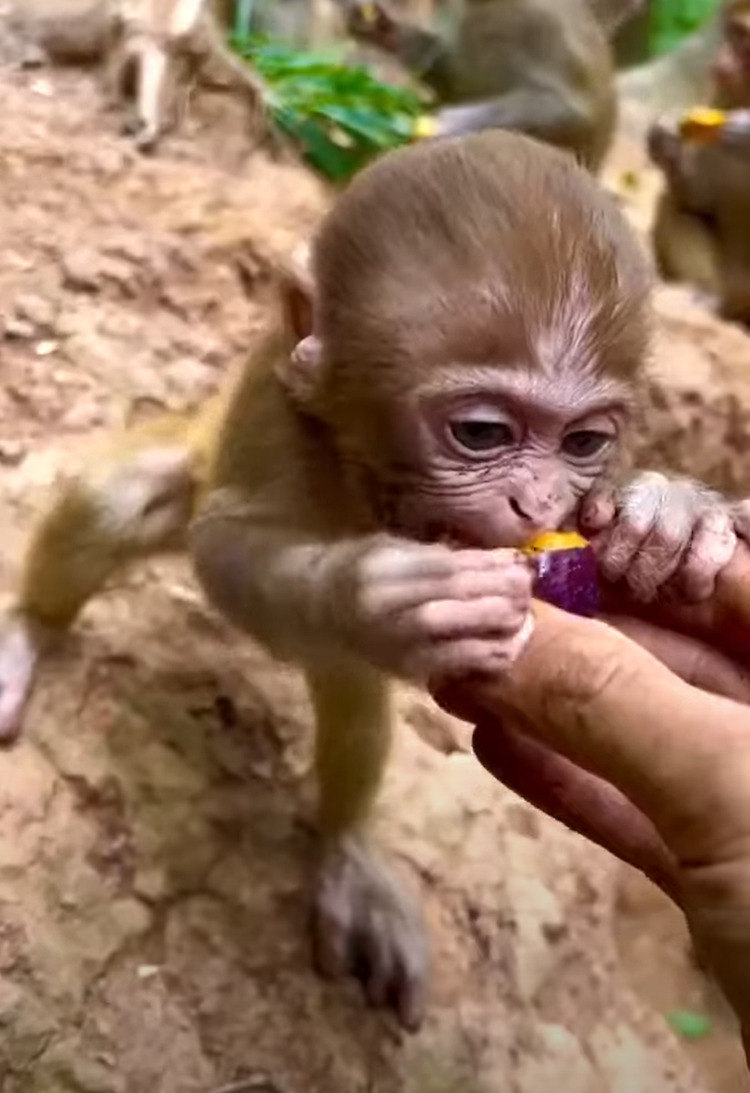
(479,330)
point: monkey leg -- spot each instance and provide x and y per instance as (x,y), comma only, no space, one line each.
(218,63)
(363,920)
(124,507)
(685,248)
(136,75)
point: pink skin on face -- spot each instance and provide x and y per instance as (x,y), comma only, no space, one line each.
(491,457)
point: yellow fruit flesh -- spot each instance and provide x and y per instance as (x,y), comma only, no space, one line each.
(548,541)
(424,127)
(702,124)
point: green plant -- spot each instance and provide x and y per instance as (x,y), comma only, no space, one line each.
(672,20)
(340,116)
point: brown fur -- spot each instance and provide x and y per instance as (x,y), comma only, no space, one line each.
(428,267)
(701,230)
(543,67)
(129,37)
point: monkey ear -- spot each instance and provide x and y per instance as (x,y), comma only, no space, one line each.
(297,294)
(300,372)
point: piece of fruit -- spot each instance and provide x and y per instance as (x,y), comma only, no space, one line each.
(424,127)
(703,124)
(566,572)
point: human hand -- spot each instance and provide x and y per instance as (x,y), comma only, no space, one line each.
(623,741)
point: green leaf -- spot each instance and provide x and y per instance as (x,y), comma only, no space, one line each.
(673,20)
(339,115)
(689,1025)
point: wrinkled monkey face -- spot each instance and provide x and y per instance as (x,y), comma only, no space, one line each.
(489,457)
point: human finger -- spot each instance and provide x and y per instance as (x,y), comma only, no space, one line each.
(612,708)
(580,800)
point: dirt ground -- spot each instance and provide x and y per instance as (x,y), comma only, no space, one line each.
(154,822)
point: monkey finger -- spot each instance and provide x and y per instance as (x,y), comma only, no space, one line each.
(598,510)
(514,581)
(397,561)
(660,555)
(616,550)
(712,547)
(376,600)
(495,615)
(470,656)
(741,518)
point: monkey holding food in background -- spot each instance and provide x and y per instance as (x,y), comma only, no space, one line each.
(541,67)
(455,376)
(701,232)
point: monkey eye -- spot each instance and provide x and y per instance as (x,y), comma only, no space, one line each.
(478,435)
(584,443)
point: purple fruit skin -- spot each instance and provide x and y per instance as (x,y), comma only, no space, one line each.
(568,579)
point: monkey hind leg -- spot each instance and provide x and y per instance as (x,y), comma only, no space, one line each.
(363,920)
(122,508)
(685,248)
(220,66)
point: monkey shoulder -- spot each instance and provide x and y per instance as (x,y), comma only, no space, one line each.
(276,457)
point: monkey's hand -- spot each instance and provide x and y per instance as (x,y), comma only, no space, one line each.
(363,920)
(22,643)
(656,532)
(423,612)
(665,144)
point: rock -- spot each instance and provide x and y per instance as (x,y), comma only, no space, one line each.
(36,310)
(81,269)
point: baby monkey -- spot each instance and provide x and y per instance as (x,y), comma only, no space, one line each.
(459,375)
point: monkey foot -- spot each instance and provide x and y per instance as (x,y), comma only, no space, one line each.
(143,135)
(365,924)
(19,655)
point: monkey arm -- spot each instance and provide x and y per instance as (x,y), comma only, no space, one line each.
(427,57)
(421,51)
(539,112)
(268,576)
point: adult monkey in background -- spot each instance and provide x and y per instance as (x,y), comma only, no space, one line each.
(150,49)
(541,67)
(701,231)
(460,377)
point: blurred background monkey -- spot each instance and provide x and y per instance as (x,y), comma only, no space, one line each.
(451,378)
(701,232)
(541,67)
(151,51)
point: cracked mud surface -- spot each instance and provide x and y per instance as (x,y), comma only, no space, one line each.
(154,822)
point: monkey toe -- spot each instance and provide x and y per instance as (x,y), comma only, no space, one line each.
(393,974)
